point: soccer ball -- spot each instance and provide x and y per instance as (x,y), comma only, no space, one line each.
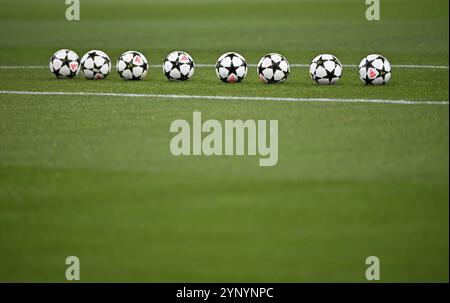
(132,65)
(231,67)
(178,66)
(375,69)
(273,68)
(65,64)
(325,69)
(96,65)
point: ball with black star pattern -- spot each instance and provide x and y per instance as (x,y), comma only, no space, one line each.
(231,67)
(95,64)
(179,66)
(65,64)
(132,65)
(325,69)
(273,68)
(375,70)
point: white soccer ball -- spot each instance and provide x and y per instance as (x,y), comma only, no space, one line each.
(65,63)
(132,65)
(325,69)
(95,64)
(231,67)
(273,68)
(178,66)
(375,69)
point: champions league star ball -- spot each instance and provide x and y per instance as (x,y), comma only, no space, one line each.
(65,64)
(273,68)
(178,66)
(231,67)
(96,65)
(375,69)
(132,65)
(325,69)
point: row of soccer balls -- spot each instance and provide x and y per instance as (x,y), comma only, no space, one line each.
(231,67)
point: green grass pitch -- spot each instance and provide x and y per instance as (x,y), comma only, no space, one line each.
(94,177)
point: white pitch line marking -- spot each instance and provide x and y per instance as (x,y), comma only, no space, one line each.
(250,65)
(239,98)
(344,65)
(22,67)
